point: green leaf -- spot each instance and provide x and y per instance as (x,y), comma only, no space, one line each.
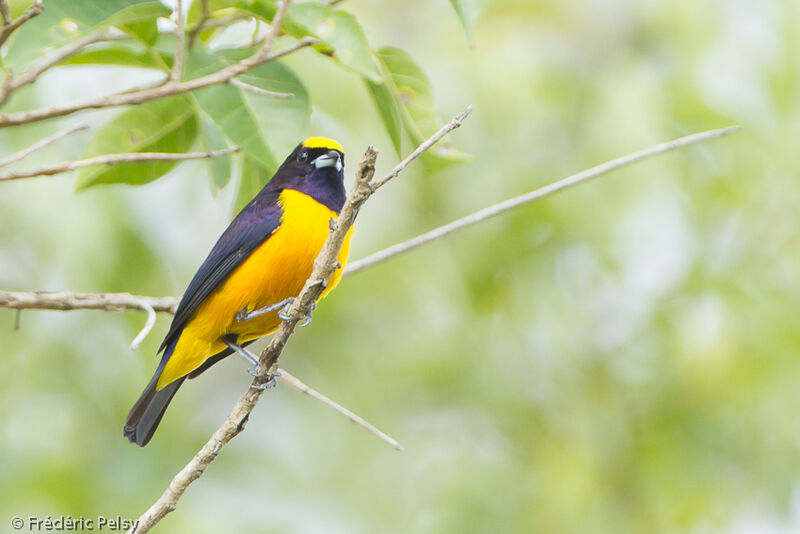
(66,20)
(196,9)
(165,125)
(121,54)
(220,167)
(415,104)
(254,178)
(468,12)
(342,32)
(266,10)
(145,30)
(387,108)
(261,125)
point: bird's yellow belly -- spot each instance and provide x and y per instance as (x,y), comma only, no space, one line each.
(273,272)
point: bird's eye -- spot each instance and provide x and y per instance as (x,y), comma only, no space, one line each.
(302,157)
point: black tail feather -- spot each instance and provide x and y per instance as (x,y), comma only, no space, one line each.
(145,415)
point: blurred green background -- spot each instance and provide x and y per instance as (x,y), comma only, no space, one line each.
(622,357)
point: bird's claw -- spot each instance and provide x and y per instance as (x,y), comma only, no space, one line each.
(266,385)
(306,320)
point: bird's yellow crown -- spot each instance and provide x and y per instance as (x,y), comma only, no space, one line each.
(322,142)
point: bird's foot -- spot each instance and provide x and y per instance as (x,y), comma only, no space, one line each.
(266,385)
(306,320)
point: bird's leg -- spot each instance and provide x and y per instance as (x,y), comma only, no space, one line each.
(230,341)
(244,315)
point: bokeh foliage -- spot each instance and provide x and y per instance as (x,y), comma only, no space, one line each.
(620,358)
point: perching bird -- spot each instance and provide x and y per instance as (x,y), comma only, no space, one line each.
(262,259)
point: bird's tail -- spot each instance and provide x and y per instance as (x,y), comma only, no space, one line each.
(145,415)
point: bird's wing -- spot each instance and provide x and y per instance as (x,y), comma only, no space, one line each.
(254,224)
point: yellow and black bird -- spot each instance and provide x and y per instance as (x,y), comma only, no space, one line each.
(261,260)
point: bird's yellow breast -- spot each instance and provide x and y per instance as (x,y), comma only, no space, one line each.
(274,271)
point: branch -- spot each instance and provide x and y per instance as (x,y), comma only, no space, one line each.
(170,88)
(204,16)
(537,194)
(38,145)
(148,325)
(4,12)
(218,22)
(259,91)
(297,384)
(32,74)
(111,159)
(446,129)
(324,266)
(177,61)
(275,26)
(10,27)
(67,300)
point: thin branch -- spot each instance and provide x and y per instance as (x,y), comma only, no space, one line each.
(67,300)
(11,27)
(275,25)
(168,89)
(148,326)
(38,145)
(446,129)
(205,15)
(537,194)
(32,74)
(297,384)
(4,12)
(219,22)
(259,91)
(324,266)
(177,61)
(111,159)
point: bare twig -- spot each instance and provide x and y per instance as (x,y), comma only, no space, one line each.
(501,207)
(218,22)
(177,61)
(259,91)
(4,12)
(446,129)
(168,89)
(32,74)
(148,325)
(297,384)
(38,145)
(67,300)
(205,14)
(111,159)
(275,25)
(324,266)
(10,27)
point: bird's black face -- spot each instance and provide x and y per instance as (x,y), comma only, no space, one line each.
(316,168)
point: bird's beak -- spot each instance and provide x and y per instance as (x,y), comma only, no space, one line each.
(331,159)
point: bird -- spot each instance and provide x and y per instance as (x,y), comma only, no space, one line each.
(259,263)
